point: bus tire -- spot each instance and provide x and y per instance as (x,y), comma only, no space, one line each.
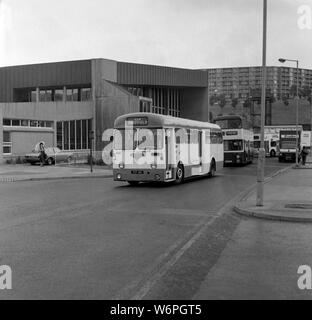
(133,183)
(213,169)
(272,154)
(179,174)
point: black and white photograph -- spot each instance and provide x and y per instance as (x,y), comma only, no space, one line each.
(155,155)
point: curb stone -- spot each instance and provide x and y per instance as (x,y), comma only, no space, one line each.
(10,179)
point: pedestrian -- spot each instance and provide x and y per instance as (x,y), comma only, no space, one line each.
(304,153)
(42,154)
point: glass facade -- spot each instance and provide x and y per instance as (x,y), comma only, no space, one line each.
(166,101)
(27,123)
(73,135)
(53,94)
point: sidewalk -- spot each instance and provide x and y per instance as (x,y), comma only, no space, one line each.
(288,197)
(262,257)
(12,173)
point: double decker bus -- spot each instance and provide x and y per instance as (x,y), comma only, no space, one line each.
(238,139)
(156,148)
(288,147)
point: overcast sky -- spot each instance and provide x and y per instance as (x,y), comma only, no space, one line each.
(180,33)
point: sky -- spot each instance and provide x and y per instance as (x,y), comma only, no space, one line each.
(179,33)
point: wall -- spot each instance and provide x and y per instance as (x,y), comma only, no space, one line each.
(43,75)
(48,110)
(282,114)
(194,104)
(24,142)
(24,139)
(114,102)
(150,75)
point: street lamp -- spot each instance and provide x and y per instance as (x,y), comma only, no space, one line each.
(282,60)
(261,158)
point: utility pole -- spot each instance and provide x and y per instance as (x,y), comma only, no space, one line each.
(261,159)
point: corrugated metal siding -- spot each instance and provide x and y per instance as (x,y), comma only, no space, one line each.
(139,74)
(43,75)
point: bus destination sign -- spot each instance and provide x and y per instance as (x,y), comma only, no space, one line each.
(137,121)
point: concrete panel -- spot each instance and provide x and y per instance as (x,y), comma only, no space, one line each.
(59,111)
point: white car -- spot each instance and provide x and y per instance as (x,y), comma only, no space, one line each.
(53,154)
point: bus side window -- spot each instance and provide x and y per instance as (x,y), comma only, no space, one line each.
(207,136)
(220,137)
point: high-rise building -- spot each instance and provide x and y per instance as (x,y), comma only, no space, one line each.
(239,82)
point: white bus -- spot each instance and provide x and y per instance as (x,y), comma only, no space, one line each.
(238,139)
(151,147)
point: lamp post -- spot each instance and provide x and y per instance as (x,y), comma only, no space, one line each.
(261,159)
(282,60)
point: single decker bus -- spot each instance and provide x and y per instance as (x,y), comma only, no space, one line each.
(156,148)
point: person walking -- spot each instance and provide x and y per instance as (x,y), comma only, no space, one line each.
(304,154)
(42,155)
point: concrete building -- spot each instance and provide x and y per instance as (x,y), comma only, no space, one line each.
(61,103)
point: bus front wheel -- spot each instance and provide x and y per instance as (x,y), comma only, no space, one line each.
(179,174)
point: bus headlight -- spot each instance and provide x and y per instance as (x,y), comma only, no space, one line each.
(121,166)
(153,166)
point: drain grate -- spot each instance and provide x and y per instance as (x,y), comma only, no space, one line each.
(304,206)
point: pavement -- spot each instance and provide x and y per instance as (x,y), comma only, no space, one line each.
(288,197)
(262,257)
(25,172)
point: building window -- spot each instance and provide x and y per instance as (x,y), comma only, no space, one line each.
(66,135)
(59,135)
(6,122)
(16,123)
(45,95)
(73,135)
(72,95)
(78,134)
(33,96)
(72,132)
(85,94)
(58,95)
(7,143)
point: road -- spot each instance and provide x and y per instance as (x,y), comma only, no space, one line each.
(98,239)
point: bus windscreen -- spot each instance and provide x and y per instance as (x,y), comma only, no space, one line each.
(142,139)
(233,145)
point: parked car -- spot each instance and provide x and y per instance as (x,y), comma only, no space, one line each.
(53,154)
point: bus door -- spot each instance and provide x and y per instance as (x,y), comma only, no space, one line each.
(169,152)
